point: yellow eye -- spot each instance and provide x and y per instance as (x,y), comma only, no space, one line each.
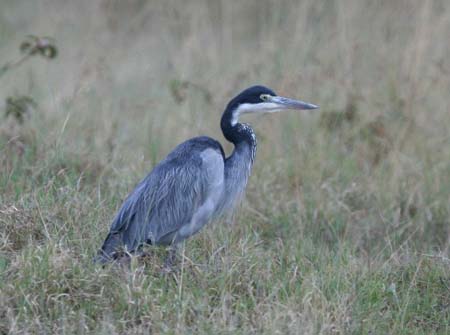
(264,97)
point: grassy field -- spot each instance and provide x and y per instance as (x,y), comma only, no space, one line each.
(345,225)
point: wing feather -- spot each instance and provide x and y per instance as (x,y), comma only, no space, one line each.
(165,200)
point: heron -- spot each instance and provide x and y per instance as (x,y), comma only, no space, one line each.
(195,184)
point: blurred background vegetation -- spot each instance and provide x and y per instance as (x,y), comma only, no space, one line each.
(345,228)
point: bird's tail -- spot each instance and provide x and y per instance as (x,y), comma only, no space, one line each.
(110,247)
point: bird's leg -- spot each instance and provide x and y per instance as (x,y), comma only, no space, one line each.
(170,259)
(141,253)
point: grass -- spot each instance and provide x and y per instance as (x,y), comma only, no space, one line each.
(345,226)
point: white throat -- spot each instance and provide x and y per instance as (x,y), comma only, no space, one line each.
(262,107)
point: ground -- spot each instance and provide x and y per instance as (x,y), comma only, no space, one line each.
(345,225)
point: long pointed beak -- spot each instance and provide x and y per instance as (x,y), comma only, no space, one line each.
(288,103)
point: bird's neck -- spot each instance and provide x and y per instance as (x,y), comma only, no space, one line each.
(238,165)
(240,134)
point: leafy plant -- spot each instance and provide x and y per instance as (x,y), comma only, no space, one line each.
(32,46)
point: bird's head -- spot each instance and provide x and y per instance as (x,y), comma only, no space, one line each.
(260,99)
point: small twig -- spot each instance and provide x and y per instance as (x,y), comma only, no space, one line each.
(42,217)
(11,65)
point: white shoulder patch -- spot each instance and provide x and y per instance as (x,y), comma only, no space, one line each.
(214,164)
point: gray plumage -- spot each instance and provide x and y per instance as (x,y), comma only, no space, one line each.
(194,184)
(160,210)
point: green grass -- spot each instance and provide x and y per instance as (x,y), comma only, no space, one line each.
(345,225)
